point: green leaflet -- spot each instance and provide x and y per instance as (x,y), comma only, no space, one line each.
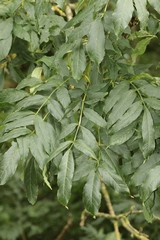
(148,134)
(6,28)
(115,95)
(12,95)
(89,138)
(153,103)
(63,97)
(17,116)
(59,149)
(124,103)
(148,207)
(20,32)
(37,150)
(84,148)
(150,90)
(45,177)
(14,134)
(31,101)
(91,193)
(19,119)
(96,42)
(141,6)
(82,30)
(55,109)
(155,4)
(141,47)
(5,46)
(23,145)
(109,173)
(65,48)
(140,175)
(83,166)
(34,41)
(65,176)
(67,130)
(123,14)
(45,133)
(9,163)
(29,82)
(78,62)
(30,181)
(130,116)
(5,37)
(94,117)
(122,135)
(80,17)
(151,183)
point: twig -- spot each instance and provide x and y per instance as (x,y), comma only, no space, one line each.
(126,224)
(65,228)
(111,211)
(83,218)
(118,217)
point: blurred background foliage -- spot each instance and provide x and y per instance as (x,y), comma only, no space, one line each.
(48,220)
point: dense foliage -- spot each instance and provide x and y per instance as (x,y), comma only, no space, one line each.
(84,105)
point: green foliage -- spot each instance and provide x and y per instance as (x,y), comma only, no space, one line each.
(84,105)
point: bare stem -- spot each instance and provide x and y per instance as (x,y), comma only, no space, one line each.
(65,228)
(126,224)
(83,218)
(111,211)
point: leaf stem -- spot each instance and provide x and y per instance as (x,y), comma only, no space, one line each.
(105,9)
(137,90)
(80,118)
(48,98)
